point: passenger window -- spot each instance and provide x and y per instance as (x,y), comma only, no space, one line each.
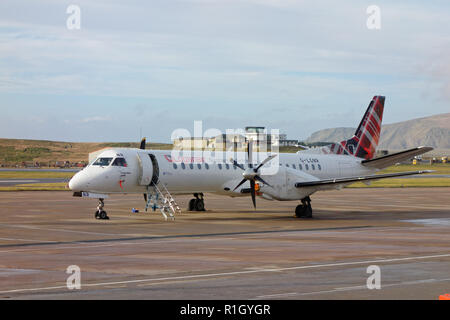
(191,166)
(183,166)
(174,165)
(306,167)
(102,162)
(313,167)
(220,166)
(300,167)
(319,167)
(287,165)
(293,166)
(199,166)
(227,166)
(206,166)
(119,162)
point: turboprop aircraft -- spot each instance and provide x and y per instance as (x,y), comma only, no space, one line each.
(160,174)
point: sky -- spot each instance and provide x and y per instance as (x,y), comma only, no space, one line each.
(147,68)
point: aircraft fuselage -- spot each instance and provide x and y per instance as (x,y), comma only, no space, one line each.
(212,172)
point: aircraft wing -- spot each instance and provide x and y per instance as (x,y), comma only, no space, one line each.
(391,159)
(347,180)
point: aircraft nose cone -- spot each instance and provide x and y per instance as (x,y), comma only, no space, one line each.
(76,183)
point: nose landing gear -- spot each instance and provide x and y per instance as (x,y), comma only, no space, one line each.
(100,213)
(198,203)
(304,210)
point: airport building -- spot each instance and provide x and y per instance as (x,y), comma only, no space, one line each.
(224,141)
(235,141)
(261,137)
(191,143)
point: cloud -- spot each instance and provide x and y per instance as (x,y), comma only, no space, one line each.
(226,60)
(96,119)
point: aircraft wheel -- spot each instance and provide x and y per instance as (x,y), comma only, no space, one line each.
(300,211)
(192,205)
(103,215)
(308,212)
(200,205)
(303,211)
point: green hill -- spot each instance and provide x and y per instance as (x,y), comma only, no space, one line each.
(17,151)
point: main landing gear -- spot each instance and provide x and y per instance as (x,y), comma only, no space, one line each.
(304,210)
(100,213)
(197,204)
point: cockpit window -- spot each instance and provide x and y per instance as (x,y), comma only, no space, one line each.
(119,162)
(102,162)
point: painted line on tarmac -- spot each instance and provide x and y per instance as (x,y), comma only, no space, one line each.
(233,273)
(118,244)
(25,240)
(156,241)
(199,235)
(61,230)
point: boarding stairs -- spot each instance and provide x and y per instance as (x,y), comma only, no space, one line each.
(160,198)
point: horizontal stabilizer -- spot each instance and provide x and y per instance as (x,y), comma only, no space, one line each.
(356,179)
(391,159)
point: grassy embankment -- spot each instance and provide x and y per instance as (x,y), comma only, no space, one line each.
(16,151)
(439,168)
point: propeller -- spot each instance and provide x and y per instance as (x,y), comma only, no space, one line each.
(252,174)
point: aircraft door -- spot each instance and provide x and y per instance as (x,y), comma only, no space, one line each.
(145,169)
(155,167)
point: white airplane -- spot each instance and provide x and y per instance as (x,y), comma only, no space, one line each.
(158,173)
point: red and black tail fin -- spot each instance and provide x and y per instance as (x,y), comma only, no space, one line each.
(365,140)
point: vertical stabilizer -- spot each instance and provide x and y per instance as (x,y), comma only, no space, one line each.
(364,142)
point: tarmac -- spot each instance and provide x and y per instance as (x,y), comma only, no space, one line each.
(14,182)
(231,251)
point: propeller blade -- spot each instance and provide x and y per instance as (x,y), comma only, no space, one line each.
(250,153)
(240,183)
(261,179)
(142,146)
(265,161)
(252,186)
